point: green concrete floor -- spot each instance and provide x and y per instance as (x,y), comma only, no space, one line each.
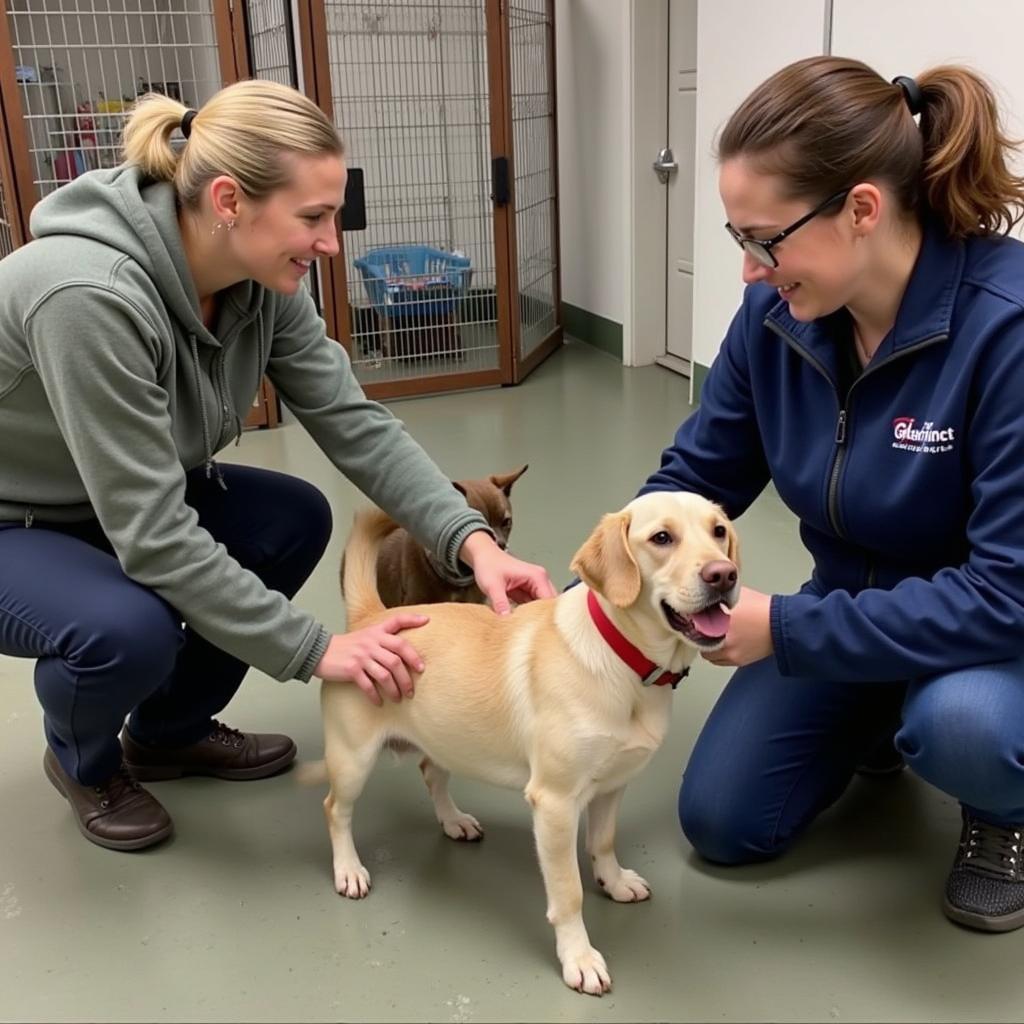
(235,918)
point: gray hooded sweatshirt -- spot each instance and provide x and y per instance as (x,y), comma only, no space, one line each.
(111,387)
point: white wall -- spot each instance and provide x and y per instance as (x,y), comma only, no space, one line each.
(739,44)
(591,63)
(987,35)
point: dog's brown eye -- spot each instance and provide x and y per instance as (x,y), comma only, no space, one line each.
(720,531)
(506,523)
(661,538)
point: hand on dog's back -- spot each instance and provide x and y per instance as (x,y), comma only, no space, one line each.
(375,658)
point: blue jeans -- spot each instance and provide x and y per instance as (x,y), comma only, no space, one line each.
(776,751)
(106,647)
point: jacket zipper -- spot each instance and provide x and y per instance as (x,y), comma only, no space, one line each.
(832,502)
(837,465)
(218,375)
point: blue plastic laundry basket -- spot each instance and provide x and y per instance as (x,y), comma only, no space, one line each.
(414,280)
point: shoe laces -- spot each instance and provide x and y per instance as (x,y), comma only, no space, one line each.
(119,785)
(222,733)
(991,849)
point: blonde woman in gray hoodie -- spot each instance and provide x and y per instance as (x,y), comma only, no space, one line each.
(142,576)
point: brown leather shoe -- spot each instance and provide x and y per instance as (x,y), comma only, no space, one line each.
(119,814)
(224,754)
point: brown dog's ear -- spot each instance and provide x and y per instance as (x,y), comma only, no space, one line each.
(606,564)
(504,483)
(461,488)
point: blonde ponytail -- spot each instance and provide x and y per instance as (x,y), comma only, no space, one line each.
(245,131)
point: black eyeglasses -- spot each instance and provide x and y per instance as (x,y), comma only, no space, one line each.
(762,250)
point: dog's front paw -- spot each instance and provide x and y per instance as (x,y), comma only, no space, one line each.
(587,973)
(626,886)
(353,882)
(463,827)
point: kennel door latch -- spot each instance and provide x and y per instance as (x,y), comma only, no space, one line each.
(500,193)
(665,165)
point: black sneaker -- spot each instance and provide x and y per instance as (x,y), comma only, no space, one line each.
(985,889)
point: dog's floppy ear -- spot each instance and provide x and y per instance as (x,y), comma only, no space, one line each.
(733,548)
(606,564)
(461,488)
(504,483)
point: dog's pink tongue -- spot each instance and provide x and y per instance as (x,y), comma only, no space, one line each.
(712,621)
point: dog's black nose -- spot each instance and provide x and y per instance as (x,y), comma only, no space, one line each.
(720,575)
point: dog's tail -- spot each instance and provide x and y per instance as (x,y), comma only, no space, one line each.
(359,566)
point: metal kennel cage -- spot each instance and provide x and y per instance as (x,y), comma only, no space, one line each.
(448,275)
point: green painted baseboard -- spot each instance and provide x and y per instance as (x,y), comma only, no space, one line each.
(700,371)
(593,329)
(607,336)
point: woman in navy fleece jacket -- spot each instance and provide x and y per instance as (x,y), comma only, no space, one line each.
(874,373)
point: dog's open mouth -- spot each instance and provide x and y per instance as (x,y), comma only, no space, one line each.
(704,628)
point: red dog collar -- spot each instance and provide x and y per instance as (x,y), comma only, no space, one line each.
(649,673)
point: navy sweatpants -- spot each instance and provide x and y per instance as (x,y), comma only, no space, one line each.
(778,750)
(107,648)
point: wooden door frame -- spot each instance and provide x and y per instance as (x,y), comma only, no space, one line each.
(499,87)
(527,364)
(22,197)
(7,181)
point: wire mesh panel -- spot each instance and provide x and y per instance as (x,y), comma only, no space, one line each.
(410,96)
(530,41)
(80,64)
(271,45)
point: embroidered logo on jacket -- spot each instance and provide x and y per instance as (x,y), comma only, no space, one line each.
(927,438)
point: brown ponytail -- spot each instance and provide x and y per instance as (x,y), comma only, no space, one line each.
(966,178)
(825,123)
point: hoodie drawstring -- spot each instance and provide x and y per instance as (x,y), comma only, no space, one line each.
(210,464)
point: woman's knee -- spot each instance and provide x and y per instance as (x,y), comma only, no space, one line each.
(138,639)
(314,511)
(963,731)
(307,528)
(722,829)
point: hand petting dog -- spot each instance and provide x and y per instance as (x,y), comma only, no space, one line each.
(502,577)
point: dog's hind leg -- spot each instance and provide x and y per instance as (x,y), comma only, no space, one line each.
(623,885)
(348,769)
(456,824)
(556,826)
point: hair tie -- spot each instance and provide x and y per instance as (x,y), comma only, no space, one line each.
(911,93)
(186,122)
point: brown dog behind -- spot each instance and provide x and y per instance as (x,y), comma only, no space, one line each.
(408,574)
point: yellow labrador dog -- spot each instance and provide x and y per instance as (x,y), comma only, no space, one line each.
(566,698)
